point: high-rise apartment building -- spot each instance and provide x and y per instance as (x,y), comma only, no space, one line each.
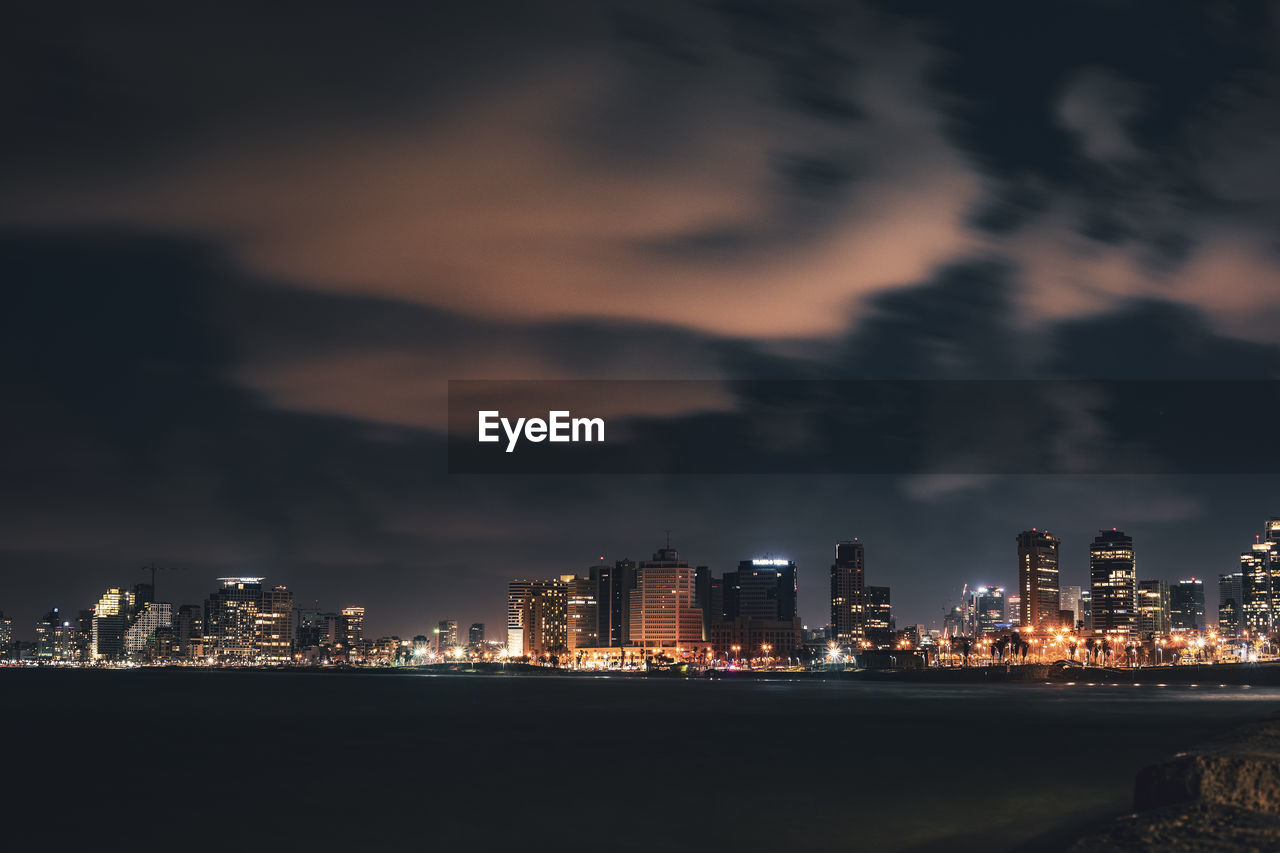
(614,585)
(879,610)
(583,611)
(664,611)
(1186,605)
(142,628)
(848,594)
(188,626)
(475,634)
(353,626)
(545,616)
(447,634)
(106,640)
(1230,603)
(1113,582)
(1038,578)
(1153,608)
(273,625)
(231,619)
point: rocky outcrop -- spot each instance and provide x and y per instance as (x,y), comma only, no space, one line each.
(1223,795)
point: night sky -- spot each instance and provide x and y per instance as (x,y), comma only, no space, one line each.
(243,249)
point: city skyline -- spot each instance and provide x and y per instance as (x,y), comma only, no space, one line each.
(442,624)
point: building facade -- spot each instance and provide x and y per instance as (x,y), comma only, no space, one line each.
(1113,584)
(1038,579)
(1186,605)
(848,594)
(664,611)
(1153,608)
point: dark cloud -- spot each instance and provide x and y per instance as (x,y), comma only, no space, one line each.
(247,246)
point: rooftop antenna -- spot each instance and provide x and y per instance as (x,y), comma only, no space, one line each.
(668,538)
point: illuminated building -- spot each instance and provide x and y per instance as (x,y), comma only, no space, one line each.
(475,634)
(879,609)
(1113,582)
(56,638)
(1153,608)
(1013,610)
(188,629)
(848,594)
(1186,605)
(747,638)
(989,607)
(1086,609)
(273,626)
(353,627)
(583,610)
(1230,602)
(1069,599)
(231,619)
(447,634)
(6,636)
(664,612)
(544,618)
(107,633)
(1256,588)
(152,617)
(760,589)
(517,593)
(1038,578)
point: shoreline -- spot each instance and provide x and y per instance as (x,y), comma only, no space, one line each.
(1250,675)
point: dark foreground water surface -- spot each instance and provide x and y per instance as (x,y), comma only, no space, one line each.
(251,760)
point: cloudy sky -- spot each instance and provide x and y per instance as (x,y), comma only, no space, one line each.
(244,249)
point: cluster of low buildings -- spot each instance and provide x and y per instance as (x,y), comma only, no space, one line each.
(242,622)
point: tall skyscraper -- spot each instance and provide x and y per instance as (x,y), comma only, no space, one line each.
(231,619)
(353,626)
(517,594)
(583,609)
(545,617)
(107,632)
(1256,586)
(614,585)
(273,625)
(1186,605)
(56,638)
(848,594)
(879,610)
(475,634)
(1230,603)
(664,611)
(1153,608)
(188,626)
(709,598)
(1113,582)
(6,637)
(447,634)
(1038,578)
(1069,599)
(989,608)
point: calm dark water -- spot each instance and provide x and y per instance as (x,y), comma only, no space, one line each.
(384,761)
